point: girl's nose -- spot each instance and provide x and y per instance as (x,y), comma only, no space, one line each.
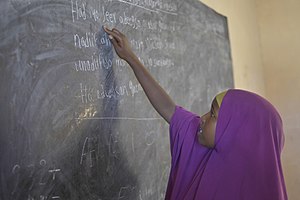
(204,117)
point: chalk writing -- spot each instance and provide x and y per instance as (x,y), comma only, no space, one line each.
(137,45)
(159,44)
(122,90)
(160,25)
(78,10)
(135,88)
(146,193)
(38,178)
(120,63)
(132,142)
(112,145)
(86,93)
(130,20)
(149,62)
(109,17)
(150,137)
(87,152)
(54,172)
(43,162)
(125,190)
(42,197)
(112,92)
(15,169)
(88,40)
(93,64)
(89,94)
(81,11)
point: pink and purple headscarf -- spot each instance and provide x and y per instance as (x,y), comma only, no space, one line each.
(245,163)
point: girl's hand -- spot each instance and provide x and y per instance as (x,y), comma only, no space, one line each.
(121,44)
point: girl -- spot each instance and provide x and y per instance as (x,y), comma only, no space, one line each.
(230,153)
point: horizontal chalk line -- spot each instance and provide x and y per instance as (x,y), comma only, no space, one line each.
(138,6)
(149,9)
(119,118)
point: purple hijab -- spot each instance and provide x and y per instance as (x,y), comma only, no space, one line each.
(245,163)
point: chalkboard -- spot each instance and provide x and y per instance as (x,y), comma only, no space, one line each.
(75,123)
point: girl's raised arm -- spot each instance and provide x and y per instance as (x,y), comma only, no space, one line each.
(159,99)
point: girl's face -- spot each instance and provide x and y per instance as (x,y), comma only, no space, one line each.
(206,135)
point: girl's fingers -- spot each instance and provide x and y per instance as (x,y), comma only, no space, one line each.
(112,33)
(113,41)
(117,31)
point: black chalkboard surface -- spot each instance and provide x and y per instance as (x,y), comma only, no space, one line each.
(75,123)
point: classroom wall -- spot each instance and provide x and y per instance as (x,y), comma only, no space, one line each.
(265,45)
(279,22)
(245,42)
